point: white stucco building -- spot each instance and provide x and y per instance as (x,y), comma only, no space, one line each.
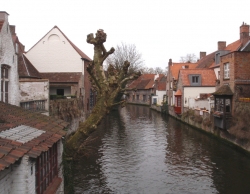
(60,61)
(8,64)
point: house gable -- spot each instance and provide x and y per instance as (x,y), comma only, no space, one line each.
(56,53)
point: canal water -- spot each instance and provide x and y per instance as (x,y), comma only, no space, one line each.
(138,150)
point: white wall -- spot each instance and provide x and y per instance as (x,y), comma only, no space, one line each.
(8,57)
(60,189)
(216,70)
(34,90)
(191,93)
(53,53)
(160,95)
(18,178)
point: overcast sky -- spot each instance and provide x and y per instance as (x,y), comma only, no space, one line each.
(160,29)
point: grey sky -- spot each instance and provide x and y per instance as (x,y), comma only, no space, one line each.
(160,29)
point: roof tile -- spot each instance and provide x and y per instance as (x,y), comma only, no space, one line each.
(22,125)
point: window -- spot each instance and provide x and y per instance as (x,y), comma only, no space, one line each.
(46,169)
(227,105)
(137,97)
(226,71)
(5,83)
(144,98)
(133,97)
(60,92)
(195,80)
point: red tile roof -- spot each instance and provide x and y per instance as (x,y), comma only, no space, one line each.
(161,85)
(82,54)
(207,61)
(177,66)
(145,81)
(48,130)
(72,77)
(207,76)
(233,46)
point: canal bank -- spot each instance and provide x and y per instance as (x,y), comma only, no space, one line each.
(204,121)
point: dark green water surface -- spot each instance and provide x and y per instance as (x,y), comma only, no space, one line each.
(138,150)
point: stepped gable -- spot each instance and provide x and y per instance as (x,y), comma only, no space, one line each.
(24,132)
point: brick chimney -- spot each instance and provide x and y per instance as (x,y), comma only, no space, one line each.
(221,45)
(244,33)
(3,16)
(202,54)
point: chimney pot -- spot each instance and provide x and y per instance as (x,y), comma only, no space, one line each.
(244,33)
(202,54)
(221,45)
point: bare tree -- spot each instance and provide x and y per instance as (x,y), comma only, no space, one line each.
(108,86)
(155,70)
(189,58)
(126,52)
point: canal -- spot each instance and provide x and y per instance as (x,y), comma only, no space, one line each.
(138,150)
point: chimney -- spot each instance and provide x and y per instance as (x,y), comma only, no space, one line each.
(170,62)
(3,16)
(244,33)
(221,45)
(13,29)
(202,54)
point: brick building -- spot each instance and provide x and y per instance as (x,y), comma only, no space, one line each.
(141,90)
(234,78)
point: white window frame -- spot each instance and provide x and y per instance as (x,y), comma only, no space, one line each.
(5,83)
(226,70)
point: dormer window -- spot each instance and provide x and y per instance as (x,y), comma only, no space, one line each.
(195,80)
(226,70)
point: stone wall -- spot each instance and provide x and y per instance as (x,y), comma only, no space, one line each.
(69,110)
(238,134)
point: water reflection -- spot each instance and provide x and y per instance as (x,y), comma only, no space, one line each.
(140,151)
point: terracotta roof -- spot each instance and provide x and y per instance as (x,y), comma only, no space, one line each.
(145,81)
(207,61)
(24,132)
(82,54)
(233,46)
(178,93)
(207,76)
(161,85)
(177,66)
(62,77)
(223,90)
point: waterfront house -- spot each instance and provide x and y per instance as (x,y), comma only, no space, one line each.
(33,91)
(159,96)
(31,146)
(172,78)
(8,64)
(140,91)
(234,79)
(194,86)
(64,64)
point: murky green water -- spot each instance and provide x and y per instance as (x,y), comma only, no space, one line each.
(141,151)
